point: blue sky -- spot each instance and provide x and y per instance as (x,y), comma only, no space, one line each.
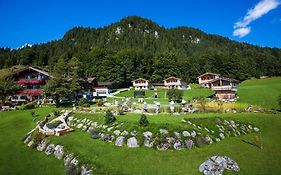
(35,21)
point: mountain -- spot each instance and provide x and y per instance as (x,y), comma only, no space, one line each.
(135,47)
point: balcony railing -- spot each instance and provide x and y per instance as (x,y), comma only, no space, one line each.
(31,92)
(219,88)
(29,81)
(141,84)
(173,84)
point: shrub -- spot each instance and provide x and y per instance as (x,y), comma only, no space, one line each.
(143,120)
(202,103)
(37,137)
(109,117)
(175,95)
(83,101)
(139,94)
(30,105)
(100,102)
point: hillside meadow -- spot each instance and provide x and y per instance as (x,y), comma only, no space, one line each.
(105,158)
(262,92)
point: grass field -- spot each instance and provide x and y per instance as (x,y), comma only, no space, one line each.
(262,92)
(109,159)
(162,97)
(16,158)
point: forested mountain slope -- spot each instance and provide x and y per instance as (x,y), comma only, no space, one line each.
(137,47)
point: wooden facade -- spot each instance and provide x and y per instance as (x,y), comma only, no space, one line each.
(173,82)
(225,88)
(32,80)
(141,84)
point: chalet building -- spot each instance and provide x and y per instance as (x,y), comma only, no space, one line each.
(173,82)
(204,79)
(99,89)
(225,88)
(32,80)
(141,84)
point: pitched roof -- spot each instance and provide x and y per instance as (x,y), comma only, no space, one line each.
(32,68)
(139,79)
(226,79)
(172,77)
(91,79)
(208,73)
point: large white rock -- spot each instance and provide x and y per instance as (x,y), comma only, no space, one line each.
(163,131)
(59,152)
(186,134)
(116,132)
(147,134)
(119,141)
(85,171)
(132,142)
(216,165)
(50,149)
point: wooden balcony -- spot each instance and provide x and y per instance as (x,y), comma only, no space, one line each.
(30,81)
(31,92)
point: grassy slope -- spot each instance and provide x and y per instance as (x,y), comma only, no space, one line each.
(263,92)
(113,160)
(17,158)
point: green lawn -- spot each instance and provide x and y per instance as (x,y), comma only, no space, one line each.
(16,157)
(109,159)
(262,92)
(162,97)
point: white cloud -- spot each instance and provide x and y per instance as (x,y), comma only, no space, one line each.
(260,9)
(241,32)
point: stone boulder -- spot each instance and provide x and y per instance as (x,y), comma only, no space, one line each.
(94,134)
(163,131)
(178,145)
(59,152)
(50,149)
(134,133)
(193,134)
(119,141)
(132,142)
(147,134)
(177,135)
(42,145)
(189,143)
(124,133)
(186,134)
(67,159)
(27,139)
(85,171)
(31,143)
(148,143)
(216,165)
(80,125)
(116,132)
(163,146)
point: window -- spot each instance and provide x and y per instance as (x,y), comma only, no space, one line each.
(225,83)
(23,97)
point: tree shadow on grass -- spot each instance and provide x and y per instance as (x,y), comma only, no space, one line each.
(251,143)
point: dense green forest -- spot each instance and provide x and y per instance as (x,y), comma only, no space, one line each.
(136,47)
